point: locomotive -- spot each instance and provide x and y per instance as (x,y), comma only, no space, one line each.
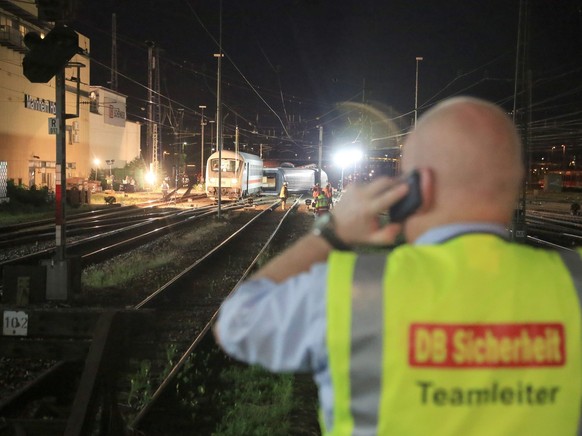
(242,175)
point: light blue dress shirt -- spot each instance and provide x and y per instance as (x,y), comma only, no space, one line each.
(282,326)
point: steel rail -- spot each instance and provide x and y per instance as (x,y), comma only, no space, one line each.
(169,379)
(78,248)
(195,265)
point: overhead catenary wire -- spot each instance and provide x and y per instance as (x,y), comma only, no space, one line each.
(462,83)
(190,110)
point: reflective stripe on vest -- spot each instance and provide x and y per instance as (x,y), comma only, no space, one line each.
(573,262)
(356,411)
(360,306)
(367,321)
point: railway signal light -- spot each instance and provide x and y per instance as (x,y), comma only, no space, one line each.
(46,57)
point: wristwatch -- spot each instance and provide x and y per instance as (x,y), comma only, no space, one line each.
(324,227)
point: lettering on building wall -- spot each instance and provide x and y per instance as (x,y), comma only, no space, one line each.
(115,112)
(75,132)
(40,104)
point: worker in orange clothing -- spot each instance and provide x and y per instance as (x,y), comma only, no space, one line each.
(314,193)
(328,191)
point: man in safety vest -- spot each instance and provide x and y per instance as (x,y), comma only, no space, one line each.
(321,203)
(283,195)
(458,331)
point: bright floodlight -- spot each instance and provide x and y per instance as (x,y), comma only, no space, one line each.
(96,162)
(150,178)
(346,157)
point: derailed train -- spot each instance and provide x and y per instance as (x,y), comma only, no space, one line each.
(243,175)
(300,180)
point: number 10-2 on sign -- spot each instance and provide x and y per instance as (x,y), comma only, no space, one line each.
(14,323)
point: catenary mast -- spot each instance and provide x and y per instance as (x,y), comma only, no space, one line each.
(153,136)
(114,52)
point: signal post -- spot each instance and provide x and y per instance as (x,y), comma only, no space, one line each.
(48,58)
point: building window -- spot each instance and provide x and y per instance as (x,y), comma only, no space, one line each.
(22,29)
(94,99)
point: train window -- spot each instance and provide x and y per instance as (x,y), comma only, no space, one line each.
(228,165)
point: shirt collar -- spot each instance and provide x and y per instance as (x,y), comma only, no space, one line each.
(443,233)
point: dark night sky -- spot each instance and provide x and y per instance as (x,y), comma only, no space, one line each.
(316,53)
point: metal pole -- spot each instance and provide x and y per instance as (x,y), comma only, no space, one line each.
(61,170)
(150,122)
(211,134)
(58,285)
(236,133)
(518,229)
(219,131)
(320,150)
(418,59)
(219,111)
(202,124)
(114,52)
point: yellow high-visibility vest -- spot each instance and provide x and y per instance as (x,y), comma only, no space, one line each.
(474,336)
(322,202)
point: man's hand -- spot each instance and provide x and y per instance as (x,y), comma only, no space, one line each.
(357,214)
(356,221)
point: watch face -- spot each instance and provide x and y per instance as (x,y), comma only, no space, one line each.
(323,221)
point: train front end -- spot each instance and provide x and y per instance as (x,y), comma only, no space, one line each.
(230,184)
(241,175)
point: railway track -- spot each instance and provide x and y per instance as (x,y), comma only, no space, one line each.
(553,229)
(122,238)
(190,282)
(88,223)
(145,332)
(176,316)
(113,237)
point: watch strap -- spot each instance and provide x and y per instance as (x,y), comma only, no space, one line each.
(327,232)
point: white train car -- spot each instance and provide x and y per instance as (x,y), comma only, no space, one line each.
(242,175)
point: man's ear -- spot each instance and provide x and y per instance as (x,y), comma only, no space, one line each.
(427,188)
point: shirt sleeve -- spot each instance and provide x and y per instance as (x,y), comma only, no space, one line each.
(280,326)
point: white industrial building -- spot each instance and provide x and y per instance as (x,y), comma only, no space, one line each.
(114,141)
(27,146)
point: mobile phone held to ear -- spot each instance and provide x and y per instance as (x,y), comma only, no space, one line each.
(410,203)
